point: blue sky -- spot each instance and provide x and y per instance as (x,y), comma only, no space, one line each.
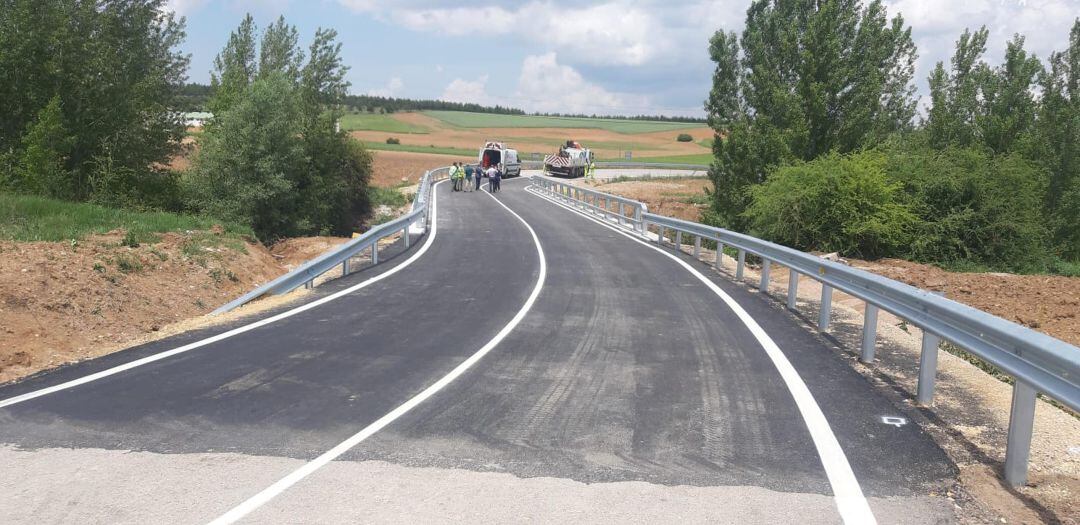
(607,56)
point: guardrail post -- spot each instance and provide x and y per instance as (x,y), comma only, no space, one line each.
(739,267)
(1021,423)
(607,206)
(826,307)
(660,234)
(345,268)
(697,246)
(928,360)
(718,262)
(678,241)
(869,333)
(638,219)
(792,288)
(309,284)
(622,214)
(405,235)
(764,286)
(375,252)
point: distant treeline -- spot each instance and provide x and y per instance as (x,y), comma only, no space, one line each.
(195,96)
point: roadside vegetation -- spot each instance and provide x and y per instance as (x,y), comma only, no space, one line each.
(988,179)
(270,161)
(34,218)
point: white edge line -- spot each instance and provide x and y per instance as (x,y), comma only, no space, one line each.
(269,493)
(848,495)
(236,331)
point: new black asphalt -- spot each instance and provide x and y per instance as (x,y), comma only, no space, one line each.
(626,368)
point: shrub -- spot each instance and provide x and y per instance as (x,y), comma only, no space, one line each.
(835,203)
(684,137)
(974,207)
(393,140)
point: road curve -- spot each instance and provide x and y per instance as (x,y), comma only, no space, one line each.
(628,392)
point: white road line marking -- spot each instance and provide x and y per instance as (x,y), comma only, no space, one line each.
(225,335)
(847,494)
(283,484)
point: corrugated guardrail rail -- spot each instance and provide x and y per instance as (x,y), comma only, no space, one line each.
(1038,363)
(306,273)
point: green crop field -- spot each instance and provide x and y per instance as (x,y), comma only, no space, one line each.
(378,122)
(414,148)
(464,119)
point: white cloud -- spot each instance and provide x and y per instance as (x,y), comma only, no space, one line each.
(183,7)
(545,85)
(392,88)
(474,91)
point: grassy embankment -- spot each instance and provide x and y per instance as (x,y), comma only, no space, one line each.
(465,119)
(29,218)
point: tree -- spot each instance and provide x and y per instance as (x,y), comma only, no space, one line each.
(249,161)
(234,67)
(115,68)
(274,158)
(955,95)
(41,168)
(280,51)
(804,79)
(1010,107)
(1057,141)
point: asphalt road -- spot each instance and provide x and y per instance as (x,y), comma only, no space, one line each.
(482,380)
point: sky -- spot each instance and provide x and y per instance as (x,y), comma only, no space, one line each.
(618,57)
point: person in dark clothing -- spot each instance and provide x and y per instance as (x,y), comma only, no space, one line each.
(468,176)
(498,180)
(478,173)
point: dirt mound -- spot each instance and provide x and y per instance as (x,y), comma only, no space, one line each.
(291,253)
(62,302)
(680,198)
(1047,303)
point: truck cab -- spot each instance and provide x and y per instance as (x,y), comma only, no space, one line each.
(498,155)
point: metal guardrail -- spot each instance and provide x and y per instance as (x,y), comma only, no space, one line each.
(1038,363)
(306,273)
(597,202)
(535,165)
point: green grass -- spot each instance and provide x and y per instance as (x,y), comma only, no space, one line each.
(465,119)
(700,158)
(30,218)
(413,148)
(391,197)
(706,143)
(378,122)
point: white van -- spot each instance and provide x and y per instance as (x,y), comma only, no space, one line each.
(498,155)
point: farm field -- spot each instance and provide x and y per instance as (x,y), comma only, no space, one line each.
(446,135)
(379,122)
(465,119)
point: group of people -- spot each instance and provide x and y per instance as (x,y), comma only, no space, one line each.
(466,177)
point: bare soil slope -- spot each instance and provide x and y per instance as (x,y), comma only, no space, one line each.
(61,303)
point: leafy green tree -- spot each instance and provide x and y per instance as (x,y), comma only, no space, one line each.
(955,95)
(115,67)
(804,79)
(234,67)
(280,52)
(317,183)
(247,169)
(1057,142)
(41,168)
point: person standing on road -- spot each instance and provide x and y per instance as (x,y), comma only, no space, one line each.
(491,171)
(455,176)
(478,174)
(498,179)
(468,177)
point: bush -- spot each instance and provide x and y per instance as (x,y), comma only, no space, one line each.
(974,207)
(835,203)
(393,140)
(684,137)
